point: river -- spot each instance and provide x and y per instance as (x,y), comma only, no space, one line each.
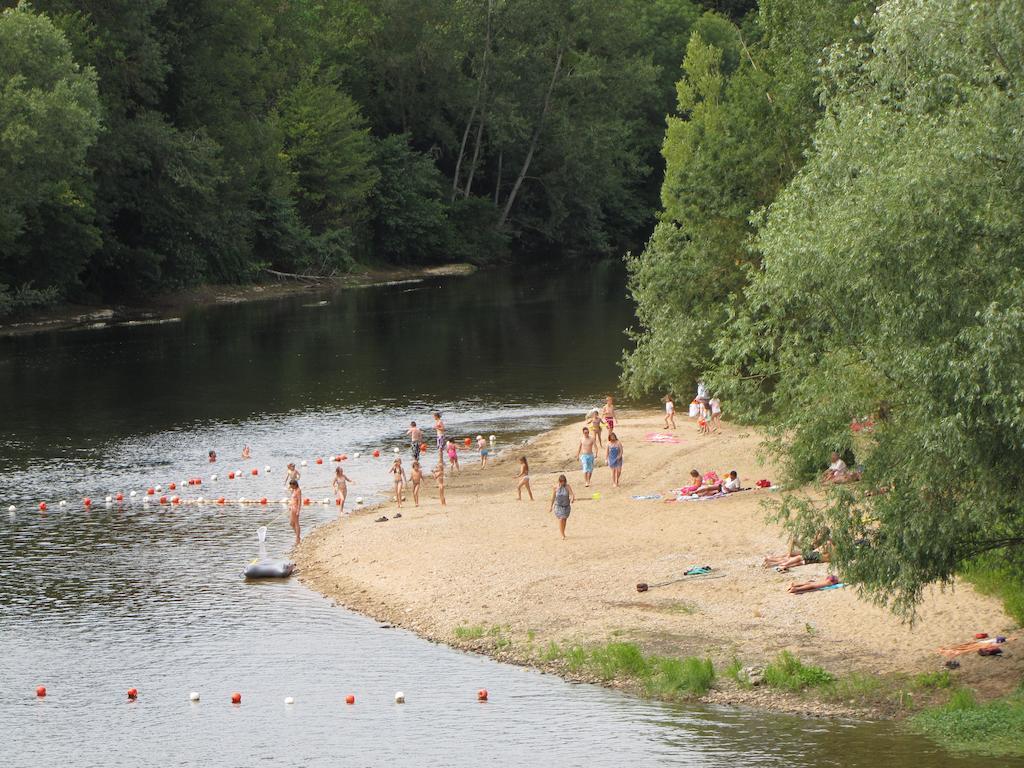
(94,601)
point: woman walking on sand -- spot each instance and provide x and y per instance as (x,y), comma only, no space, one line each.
(523,479)
(613,457)
(398,474)
(562,497)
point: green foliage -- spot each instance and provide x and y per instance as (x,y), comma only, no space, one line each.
(672,678)
(995,727)
(892,286)
(470,632)
(49,118)
(995,576)
(933,680)
(791,674)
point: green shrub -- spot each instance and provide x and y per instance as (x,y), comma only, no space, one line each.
(672,677)
(996,727)
(789,673)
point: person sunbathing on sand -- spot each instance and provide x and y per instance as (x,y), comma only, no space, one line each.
(838,473)
(710,485)
(820,551)
(809,586)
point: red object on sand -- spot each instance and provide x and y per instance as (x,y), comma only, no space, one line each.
(980,635)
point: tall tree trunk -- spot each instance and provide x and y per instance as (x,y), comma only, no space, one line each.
(533,142)
(497,183)
(476,151)
(480,92)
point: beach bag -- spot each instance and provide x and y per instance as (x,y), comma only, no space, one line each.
(694,409)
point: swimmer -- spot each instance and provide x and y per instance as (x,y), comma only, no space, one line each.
(246,453)
(453,456)
(340,483)
(438,475)
(416,477)
(523,479)
(294,505)
(398,474)
(484,448)
(291,474)
(439,428)
(416,437)
(212,456)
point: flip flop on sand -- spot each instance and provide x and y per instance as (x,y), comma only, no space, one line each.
(381,519)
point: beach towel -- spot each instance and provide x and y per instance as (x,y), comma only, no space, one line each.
(837,585)
(661,437)
(952,651)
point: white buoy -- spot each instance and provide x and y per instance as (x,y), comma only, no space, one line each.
(213,477)
(194,696)
(145,499)
(355,455)
(238,474)
(395,450)
(200,500)
(12,508)
(327,501)
(399,698)
(62,504)
(109,499)
(241,500)
(266,468)
(359,500)
(305,463)
(132,494)
(289,700)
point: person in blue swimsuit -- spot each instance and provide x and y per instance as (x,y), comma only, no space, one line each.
(613,457)
(562,498)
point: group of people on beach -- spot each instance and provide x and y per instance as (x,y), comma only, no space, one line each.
(706,409)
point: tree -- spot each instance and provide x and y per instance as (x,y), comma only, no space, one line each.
(49,118)
(892,286)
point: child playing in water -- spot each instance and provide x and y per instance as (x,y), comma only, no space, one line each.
(453,456)
(294,505)
(481,444)
(438,475)
(608,412)
(439,428)
(398,474)
(523,479)
(416,437)
(213,456)
(291,474)
(416,477)
(246,453)
(670,411)
(340,483)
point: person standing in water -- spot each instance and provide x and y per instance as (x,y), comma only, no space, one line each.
(562,497)
(523,479)
(246,453)
(613,457)
(416,436)
(585,454)
(439,428)
(291,474)
(453,457)
(212,455)
(294,506)
(484,449)
(398,475)
(438,475)
(416,477)
(340,483)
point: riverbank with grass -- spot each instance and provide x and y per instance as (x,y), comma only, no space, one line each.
(489,574)
(169,306)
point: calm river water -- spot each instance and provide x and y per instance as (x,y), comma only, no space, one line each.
(93,602)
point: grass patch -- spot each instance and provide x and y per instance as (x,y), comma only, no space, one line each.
(933,680)
(992,577)
(735,671)
(789,673)
(470,633)
(659,676)
(995,728)
(855,687)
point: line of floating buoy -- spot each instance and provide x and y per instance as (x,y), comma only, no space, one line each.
(236,697)
(153,491)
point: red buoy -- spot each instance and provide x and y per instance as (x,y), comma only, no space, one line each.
(350,699)
(255,471)
(175,500)
(199,481)
(236,698)
(344,456)
(231,475)
(263,500)
(481,695)
(163,499)
(319,461)
(337,502)
(42,506)
(87,501)
(423,447)
(133,693)
(120,497)
(306,502)
(41,691)
(467,442)
(220,500)
(172,487)
(150,492)
(376,453)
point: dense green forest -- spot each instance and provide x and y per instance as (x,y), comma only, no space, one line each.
(149,145)
(840,254)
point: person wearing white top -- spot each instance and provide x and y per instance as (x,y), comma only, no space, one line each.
(732,484)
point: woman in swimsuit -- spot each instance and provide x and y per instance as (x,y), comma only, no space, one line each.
(523,479)
(341,481)
(294,505)
(399,478)
(613,457)
(594,421)
(562,497)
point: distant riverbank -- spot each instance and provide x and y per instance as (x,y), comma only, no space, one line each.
(168,307)
(489,574)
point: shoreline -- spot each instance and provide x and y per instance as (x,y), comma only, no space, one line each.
(488,574)
(168,307)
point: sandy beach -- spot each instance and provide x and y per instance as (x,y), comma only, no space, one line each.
(488,560)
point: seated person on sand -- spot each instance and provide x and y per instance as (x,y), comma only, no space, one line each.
(695,483)
(838,473)
(710,485)
(820,551)
(733,483)
(809,586)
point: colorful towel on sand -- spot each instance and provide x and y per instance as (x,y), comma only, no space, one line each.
(661,437)
(694,497)
(837,585)
(975,645)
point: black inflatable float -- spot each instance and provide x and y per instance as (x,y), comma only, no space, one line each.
(269,569)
